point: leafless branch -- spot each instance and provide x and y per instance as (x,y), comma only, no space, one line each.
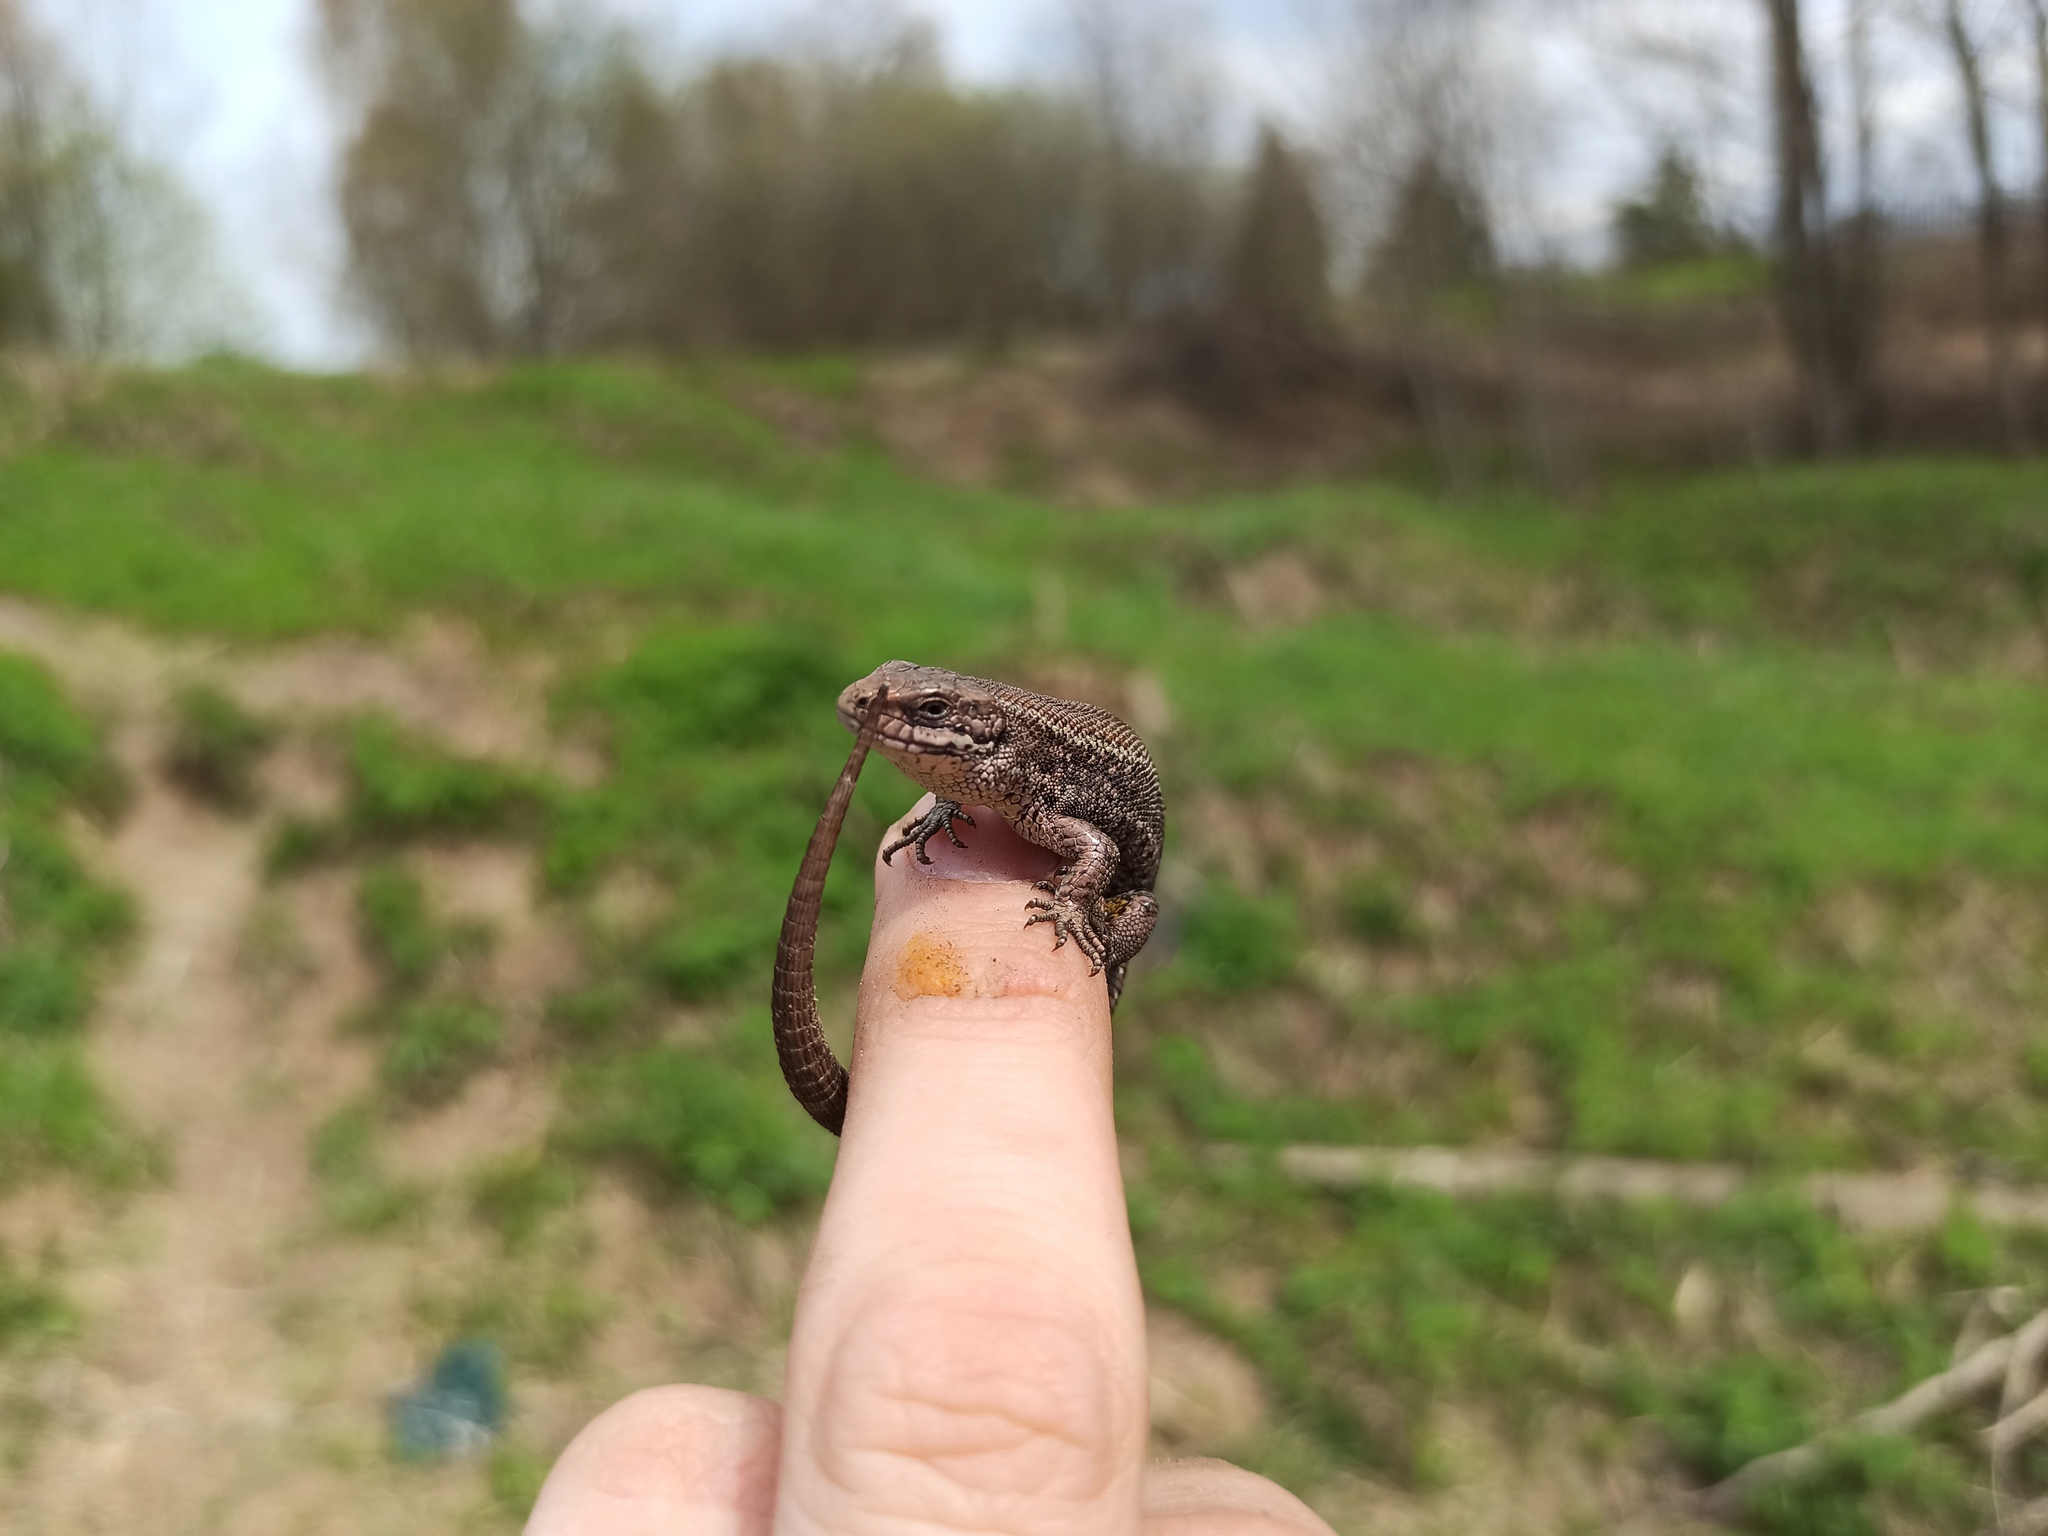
(1978,1373)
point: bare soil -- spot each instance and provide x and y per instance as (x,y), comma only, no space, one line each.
(238,1348)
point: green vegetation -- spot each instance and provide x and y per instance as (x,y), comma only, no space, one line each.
(516,1194)
(216,747)
(1704,822)
(58,928)
(32,1311)
(402,789)
(697,1120)
(437,1035)
(358,1193)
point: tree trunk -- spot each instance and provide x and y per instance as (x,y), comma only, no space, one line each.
(1826,298)
(1994,242)
(2040,10)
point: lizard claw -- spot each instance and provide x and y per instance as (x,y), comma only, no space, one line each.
(1068,921)
(920,830)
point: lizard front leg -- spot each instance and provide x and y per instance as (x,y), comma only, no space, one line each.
(918,832)
(1074,905)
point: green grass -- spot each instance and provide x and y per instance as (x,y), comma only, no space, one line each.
(216,747)
(1703,821)
(33,1312)
(59,929)
(357,1192)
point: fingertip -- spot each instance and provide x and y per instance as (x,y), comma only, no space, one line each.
(665,1461)
(1204,1497)
(988,849)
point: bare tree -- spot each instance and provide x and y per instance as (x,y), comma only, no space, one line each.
(1863,107)
(2038,10)
(1413,153)
(1994,237)
(28,302)
(1826,271)
(102,252)
(1140,72)
(481,145)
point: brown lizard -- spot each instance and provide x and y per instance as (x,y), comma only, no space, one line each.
(1069,777)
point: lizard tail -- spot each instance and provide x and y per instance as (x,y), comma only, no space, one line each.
(813,1073)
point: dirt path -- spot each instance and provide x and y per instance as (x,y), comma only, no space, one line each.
(186,1392)
(237,1349)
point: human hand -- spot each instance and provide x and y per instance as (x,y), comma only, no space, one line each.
(969,1347)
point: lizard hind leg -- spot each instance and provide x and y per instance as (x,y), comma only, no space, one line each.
(1070,920)
(921,830)
(1128,922)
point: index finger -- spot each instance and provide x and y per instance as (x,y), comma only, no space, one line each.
(969,1345)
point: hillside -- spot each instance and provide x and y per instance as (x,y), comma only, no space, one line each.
(358,756)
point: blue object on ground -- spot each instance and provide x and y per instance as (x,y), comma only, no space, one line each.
(457,1410)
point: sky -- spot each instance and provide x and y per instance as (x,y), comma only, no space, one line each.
(226,93)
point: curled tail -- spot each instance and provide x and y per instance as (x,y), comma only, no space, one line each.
(813,1073)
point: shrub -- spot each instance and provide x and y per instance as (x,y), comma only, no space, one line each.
(215,748)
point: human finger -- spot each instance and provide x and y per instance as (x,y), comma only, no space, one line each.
(969,1344)
(669,1461)
(1200,1497)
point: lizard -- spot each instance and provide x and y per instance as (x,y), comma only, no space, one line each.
(1069,777)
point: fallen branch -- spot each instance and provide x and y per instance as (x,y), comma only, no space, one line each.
(1977,1373)
(1878,1202)
(2019,1426)
(2022,1408)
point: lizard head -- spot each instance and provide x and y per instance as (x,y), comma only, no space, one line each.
(930,717)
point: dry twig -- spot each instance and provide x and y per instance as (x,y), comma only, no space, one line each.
(1979,1372)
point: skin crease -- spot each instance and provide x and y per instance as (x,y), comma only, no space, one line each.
(969,1349)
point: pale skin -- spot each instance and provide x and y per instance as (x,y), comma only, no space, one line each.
(969,1346)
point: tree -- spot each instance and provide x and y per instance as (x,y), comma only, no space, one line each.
(1994,239)
(1438,236)
(2039,12)
(28,301)
(422,182)
(1280,258)
(1825,270)
(1668,220)
(1141,80)
(102,252)
(480,186)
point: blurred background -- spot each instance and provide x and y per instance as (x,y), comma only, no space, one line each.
(1556,484)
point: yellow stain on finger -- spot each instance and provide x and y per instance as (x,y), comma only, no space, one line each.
(930,967)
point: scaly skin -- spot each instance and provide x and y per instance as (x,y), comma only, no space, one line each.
(1068,776)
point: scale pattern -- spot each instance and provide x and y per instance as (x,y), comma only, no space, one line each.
(1068,776)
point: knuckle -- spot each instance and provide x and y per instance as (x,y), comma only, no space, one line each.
(933,1407)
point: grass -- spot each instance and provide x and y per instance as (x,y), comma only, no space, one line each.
(1703,821)
(215,748)
(59,929)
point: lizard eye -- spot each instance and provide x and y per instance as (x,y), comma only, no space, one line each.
(934,709)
